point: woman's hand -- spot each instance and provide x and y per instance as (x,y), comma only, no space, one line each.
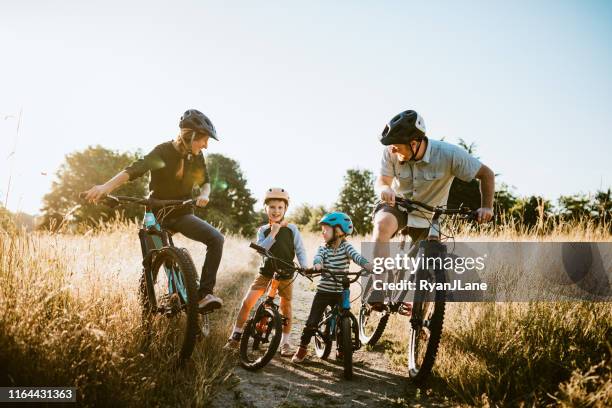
(369,267)
(317,267)
(96,192)
(202,201)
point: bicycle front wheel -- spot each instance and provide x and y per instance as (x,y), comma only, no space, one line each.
(372,324)
(261,338)
(346,342)
(169,289)
(425,329)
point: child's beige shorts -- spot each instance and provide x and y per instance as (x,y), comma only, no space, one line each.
(285,287)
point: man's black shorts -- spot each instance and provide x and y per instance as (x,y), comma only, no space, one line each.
(415,234)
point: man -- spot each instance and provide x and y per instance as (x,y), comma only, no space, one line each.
(420,169)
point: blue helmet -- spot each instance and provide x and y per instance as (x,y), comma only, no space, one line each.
(338,219)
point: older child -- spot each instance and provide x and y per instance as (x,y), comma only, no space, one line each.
(284,241)
(334,256)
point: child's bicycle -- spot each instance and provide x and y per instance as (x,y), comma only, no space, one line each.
(427,315)
(173,293)
(263,331)
(339,324)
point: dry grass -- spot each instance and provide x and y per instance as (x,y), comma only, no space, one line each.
(71,317)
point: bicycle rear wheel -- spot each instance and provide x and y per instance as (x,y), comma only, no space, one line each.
(169,288)
(261,338)
(425,328)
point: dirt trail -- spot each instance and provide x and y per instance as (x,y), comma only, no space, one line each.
(318,383)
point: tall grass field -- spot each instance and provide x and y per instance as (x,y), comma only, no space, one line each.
(70,316)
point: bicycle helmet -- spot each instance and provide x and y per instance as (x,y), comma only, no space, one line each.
(338,219)
(196,120)
(277,194)
(404,127)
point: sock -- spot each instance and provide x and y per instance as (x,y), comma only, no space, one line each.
(237,329)
(284,338)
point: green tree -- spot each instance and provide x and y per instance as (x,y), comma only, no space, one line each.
(505,200)
(532,211)
(231,203)
(357,199)
(301,215)
(315,216)
(80,171)
(601,206)
(574,206)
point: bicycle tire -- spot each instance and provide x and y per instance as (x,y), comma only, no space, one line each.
(182,260)
(373,338)
(251,332)
(346,338)
(323,345)
(420,370)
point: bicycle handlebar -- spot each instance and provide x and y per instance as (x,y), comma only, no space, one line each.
(306,272)
(152,202)
(410,206)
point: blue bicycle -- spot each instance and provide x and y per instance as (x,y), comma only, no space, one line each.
(168,284)
(339,324)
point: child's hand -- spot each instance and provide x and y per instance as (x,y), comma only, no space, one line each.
(318,267)
(277,226)
(368,267)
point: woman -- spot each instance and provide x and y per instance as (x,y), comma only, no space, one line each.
(177,167)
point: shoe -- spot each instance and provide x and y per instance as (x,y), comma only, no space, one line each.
(339,356)
(299,355)
(233,342)
(405,309)
(209,303)
(285,350)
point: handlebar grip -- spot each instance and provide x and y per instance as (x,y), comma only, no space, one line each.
(258,248)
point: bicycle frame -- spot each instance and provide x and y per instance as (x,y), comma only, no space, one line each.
(151,229)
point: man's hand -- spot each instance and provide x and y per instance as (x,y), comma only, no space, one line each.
(202,201)
(484,214)
(388,196)
(96,192)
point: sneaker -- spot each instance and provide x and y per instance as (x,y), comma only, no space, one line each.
(285,350)
(209,303)
(233,342)
(299,355)
(405,309)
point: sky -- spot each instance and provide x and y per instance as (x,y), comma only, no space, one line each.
(300,91)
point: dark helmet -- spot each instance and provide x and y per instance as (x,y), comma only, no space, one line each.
(403,128)
(196,120)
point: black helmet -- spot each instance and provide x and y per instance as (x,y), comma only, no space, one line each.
(196,120)
(403,128)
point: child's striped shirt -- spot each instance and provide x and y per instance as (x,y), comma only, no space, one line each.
(337,260)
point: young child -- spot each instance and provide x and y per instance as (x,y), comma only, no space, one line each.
(284,241)
(335,256)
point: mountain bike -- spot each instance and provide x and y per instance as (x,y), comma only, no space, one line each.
(263,331)
(427,316)
(168,283)
(339,324)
